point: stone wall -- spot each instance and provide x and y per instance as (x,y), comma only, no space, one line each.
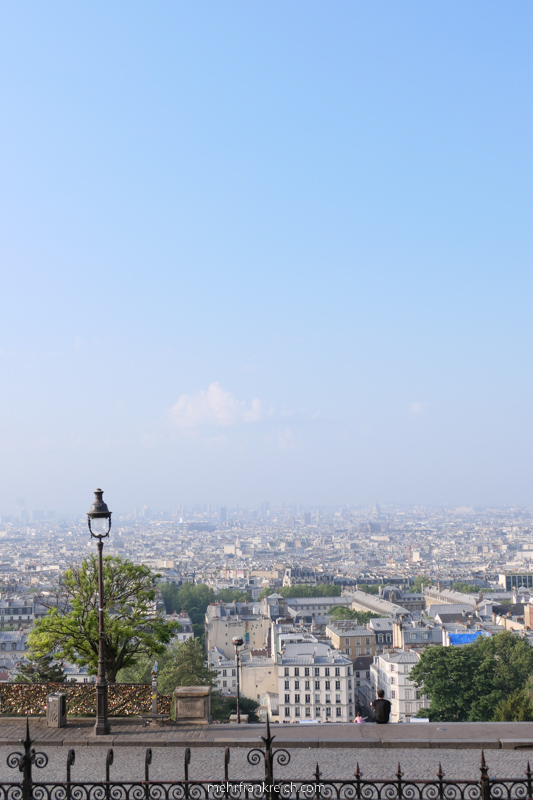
(125,699)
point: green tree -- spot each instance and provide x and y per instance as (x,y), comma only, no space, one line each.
(517,707)
(233,595)
(465,588)
(468,683)
(361,617)
(369,588)
(303,590)
(222,706)
(133,628)
(191,598)
(40,670)
(418,584)
(188,597)
(185,665)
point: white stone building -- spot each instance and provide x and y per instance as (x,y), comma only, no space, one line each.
(315,682)
(390,671)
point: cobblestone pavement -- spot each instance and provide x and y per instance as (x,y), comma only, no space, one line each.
(207,763)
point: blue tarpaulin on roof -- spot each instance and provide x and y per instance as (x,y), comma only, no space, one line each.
(464,638)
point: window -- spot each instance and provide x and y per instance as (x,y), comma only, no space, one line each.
(393,694)
(328,712)
(286,671)
(338,711)
(224,673)
(233,673)
(317,711)
(287,711)
(350,683)
(307,698)
(297,711)
(307,712)
(307,685)
(287,699)
(357,674)
(326,672)
(328,685)
(317,699)
(367,640)
(337,670)
(359,640)
(224,683)
(328,699)
(392,667)
(287,685)
(317,684)
(337,699)
(317,670)
(380,638)
(346,641)
(296,670)
(296,684)
(337,685)
(307,671)
(296,698)
(393,680)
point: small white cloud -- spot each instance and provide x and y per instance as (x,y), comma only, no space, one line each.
(416,408)
(285,439)
(213,406)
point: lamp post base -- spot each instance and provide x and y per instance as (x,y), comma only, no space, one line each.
(102,727)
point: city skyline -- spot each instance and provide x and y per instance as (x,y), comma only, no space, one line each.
(266,252)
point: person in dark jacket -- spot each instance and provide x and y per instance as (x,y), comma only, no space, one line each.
(381,708)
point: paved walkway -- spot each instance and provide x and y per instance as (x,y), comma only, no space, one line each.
(448,735)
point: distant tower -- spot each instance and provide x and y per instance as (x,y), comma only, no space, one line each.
(222,515)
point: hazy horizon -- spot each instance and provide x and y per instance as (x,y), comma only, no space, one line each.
(266,251)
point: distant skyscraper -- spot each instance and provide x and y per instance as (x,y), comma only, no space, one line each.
(222,514)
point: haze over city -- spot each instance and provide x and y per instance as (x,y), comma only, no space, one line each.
(265,252)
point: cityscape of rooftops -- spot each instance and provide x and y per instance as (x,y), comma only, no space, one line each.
(267,282)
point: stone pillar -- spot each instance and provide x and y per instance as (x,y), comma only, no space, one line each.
(192,705)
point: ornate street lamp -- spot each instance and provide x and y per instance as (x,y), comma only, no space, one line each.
(238,641)
(99,519)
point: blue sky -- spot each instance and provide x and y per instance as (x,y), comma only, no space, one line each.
(266,251)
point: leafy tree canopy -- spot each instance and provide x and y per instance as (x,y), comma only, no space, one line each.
(223,706)
(341,612)
(418,584)
(188,597)
(369,588)
(465,588)
(40,670)
(518,707)
(132,627)
(185,666)
(468,683)
(231,595)
(303,590)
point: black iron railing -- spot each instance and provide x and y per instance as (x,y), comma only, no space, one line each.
(271,787)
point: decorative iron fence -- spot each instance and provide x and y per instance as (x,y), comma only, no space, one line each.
(271,787)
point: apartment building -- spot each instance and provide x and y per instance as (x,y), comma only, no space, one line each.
(315,682)
(224,621)
(352,639)
(390,671)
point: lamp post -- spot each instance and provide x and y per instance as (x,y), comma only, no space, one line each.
(99,520)
(238,641)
